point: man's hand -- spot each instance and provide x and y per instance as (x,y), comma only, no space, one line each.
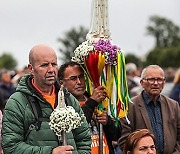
(99,94)
(102,118)
(63,150)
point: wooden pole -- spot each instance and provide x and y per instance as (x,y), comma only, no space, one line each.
(100,138)
(64,138)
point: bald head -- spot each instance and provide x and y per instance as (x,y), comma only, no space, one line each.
(43,66)
(39,51)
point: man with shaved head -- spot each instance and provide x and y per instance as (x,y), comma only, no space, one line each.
(26,117)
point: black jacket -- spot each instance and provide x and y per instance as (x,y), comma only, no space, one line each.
(111,131)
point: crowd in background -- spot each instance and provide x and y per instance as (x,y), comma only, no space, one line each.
(8,82)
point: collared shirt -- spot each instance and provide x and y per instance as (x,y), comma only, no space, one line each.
(155,116)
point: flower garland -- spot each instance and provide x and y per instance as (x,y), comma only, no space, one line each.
(109,51)
(104,64)
(82,51)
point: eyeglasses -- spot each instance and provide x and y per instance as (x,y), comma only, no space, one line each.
(152,80)
(74,78)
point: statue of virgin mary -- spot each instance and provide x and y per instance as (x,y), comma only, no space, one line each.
(99,27)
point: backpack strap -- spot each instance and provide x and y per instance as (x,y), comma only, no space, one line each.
(36,109)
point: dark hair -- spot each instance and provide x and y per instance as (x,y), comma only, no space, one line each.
(63,68)
(134,138)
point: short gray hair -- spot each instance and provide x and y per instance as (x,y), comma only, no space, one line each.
(143,73)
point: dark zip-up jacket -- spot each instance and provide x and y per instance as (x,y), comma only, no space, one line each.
(111,131)
(18,116)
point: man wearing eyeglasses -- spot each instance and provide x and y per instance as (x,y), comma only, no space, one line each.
(71,75)
(155,112)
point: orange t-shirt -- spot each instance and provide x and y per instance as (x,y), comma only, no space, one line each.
(82,103)
(49,98)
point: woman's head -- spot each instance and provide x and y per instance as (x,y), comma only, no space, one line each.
(140,142)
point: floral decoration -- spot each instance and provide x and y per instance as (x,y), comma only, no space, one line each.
(109,50)
(82,51)
(65,119)
(102,46)
(104,64)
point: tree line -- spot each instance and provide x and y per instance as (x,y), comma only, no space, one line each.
(166,51)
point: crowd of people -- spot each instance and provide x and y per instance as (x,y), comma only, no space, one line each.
(28,97)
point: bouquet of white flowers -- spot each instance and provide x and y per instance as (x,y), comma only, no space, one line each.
(64,118)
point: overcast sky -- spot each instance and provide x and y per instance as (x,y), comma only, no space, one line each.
(25,23)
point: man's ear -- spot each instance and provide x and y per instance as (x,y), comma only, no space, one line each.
(141,81)
(30,68)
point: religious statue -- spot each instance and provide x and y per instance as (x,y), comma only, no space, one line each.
(104,64)
(99,27)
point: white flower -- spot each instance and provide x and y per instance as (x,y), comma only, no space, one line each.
(82,51)
(65,119)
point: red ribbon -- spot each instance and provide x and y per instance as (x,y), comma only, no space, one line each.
(92,65)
